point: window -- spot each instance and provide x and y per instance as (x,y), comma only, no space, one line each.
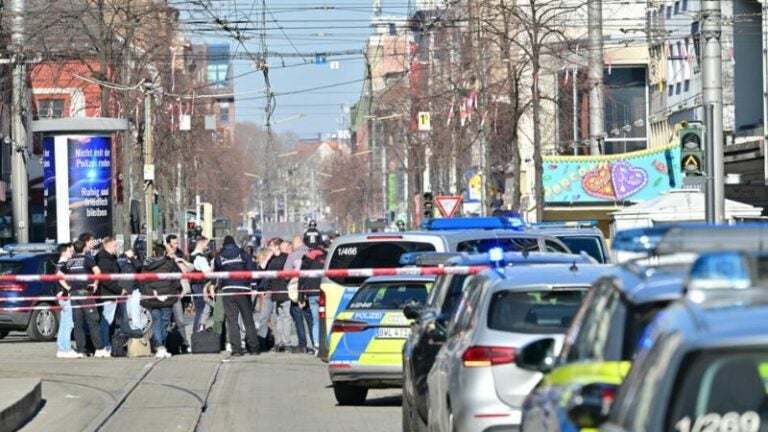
(379,254)
(50,108)
(677,7)
(534,312)
(671,89)
(589,244)
(453,296)
(224,114)
(669,12)
(594,341)
(687,85)
(217,75)
(720,385)
(508,244)
(684,5)
(462,320)
(9,267)
(555,247)
(388,296)
(678,88)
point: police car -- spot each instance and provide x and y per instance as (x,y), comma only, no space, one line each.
(703,363)
(367,337)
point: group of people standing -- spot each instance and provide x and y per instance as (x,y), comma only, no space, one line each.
(254,312)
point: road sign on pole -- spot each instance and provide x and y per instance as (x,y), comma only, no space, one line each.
(425,121)
(448,204)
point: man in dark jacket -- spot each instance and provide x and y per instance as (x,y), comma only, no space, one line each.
(131,323)
(106,259)
(278,288)
(313,260)
(237,298)
(162,295)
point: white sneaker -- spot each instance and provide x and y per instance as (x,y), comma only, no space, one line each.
(162,353)
(68,354)
(228,347)
(102,353)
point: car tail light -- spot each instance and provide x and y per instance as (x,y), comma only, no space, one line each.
(609,394)
(14,287)
(483,356)
(348,326)
(321,305)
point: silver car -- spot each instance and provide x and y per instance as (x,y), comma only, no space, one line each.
(475,384)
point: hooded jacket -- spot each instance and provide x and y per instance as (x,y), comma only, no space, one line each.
(313,260)
(129,265)
(232,258)
(168,288)
(107,263)
(279,286)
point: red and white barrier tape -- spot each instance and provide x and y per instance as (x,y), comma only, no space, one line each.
(224,293)
(254,275)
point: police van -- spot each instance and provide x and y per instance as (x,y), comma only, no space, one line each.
(383,250)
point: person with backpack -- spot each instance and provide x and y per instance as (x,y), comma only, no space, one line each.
(160,295)
(237,296)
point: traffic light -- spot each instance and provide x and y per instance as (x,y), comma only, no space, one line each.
(692,149)
(429,205)
(191,229)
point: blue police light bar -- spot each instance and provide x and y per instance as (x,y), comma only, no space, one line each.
(692,238)
(568,224)
(496,254)
(470,223)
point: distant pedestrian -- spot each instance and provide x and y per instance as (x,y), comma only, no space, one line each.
(264,305)
(172,246)
(278,288)
(237,299)
(293,262)
(160,296)
(200,264)
(85,311)
(310,287)
(312,237)
(66,324)
(106,260)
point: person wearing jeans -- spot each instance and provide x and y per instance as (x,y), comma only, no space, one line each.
(160,296)
(64,336)
(311,314)
(161,318)
(297,314)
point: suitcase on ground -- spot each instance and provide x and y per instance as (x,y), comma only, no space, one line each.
(139,347)
(206,342)
(119,344)
(174,342)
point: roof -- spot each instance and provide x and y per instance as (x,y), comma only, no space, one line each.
(684,204)
(518,258)
(454,235)
(565,232)
(548,275)
(399,278)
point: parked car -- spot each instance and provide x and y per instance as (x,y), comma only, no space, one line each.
(474,384)
(419,351)
(40,325)
(367,336)
(579,236)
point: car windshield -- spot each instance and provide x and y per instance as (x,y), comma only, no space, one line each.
(589,244)
(721,388)
(391,296)
(9,267)
(507,244)
(537,311)
(382,254)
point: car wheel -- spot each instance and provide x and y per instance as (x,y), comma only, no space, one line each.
(43,325)
(348,394)
(4,333)
(411,420)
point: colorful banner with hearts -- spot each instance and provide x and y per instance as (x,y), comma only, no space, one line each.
(626,177)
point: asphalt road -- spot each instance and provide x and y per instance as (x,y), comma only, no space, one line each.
(270,392)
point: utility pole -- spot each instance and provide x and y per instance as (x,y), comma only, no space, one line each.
(712,85)
(19,181)
(149,167)
(595,73)
(765,91)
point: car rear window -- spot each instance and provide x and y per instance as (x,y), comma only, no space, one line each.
(381,254)
(548,311)
(589,244)
(508,244)
(9,267)
(388,296)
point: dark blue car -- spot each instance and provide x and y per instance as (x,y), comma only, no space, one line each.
(40,325)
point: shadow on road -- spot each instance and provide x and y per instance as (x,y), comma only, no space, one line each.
(384,401)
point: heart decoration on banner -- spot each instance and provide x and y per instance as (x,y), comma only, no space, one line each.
(614,182)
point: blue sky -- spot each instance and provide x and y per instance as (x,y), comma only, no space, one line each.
(306,28)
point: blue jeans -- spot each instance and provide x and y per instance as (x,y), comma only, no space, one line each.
(199,301)
(108,310)
(161,317)
(66,324)
(314,309)
(298,319)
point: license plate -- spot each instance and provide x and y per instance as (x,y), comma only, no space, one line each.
(394,332)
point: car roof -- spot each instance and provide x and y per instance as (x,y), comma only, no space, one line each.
(565,232)
(734,318)
(521,258)
(399,278)
(452,235)
(543,275)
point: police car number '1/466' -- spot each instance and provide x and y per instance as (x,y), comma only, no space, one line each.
(394,332)
(728,422)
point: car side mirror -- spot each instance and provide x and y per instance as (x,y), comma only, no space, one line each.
(412,311)
(537,356)
(591,405)
(437,333)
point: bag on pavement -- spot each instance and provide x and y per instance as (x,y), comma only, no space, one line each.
(133,307)
(139,347)
(119,344)
(206,342)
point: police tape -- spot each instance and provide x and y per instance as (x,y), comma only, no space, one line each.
(109,298)
(251,275)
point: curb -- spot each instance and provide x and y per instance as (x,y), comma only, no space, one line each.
(20,402)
